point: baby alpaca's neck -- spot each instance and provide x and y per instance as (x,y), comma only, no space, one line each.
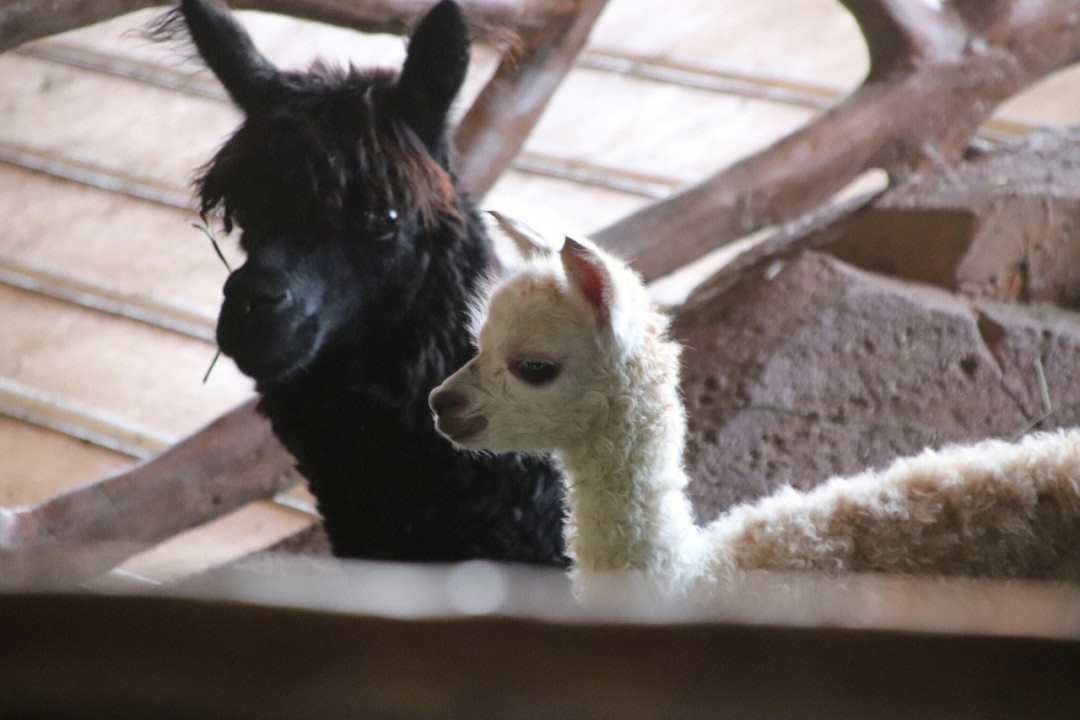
(625,481)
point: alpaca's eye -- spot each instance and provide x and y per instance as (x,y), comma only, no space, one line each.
(381,225)
(535,372)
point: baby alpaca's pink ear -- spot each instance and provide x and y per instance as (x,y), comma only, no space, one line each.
(587,273)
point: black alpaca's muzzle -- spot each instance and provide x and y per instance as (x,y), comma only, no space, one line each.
(262,326)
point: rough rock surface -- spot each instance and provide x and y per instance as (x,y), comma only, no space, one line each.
(802,368)
(1002,224)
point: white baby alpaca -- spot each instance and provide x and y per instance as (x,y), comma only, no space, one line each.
(574,359)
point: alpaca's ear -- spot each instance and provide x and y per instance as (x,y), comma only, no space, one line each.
(228,51)
(591,278)
(609,292)
(435,66)
(528,241)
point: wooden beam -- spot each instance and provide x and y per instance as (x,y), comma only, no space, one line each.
(82,533)
(24,20)
(937,74)
(494,129)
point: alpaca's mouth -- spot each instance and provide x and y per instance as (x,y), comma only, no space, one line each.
(459,429)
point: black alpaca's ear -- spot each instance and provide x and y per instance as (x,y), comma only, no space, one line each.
(228,51)
(435,66)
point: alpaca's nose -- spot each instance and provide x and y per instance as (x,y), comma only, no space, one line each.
(257,289)
(446,400)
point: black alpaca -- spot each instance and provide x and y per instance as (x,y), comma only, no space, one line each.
(361,259)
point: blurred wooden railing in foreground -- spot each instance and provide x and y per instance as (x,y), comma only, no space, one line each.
(282,637)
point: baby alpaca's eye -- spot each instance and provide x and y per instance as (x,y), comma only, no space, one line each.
(535,371)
